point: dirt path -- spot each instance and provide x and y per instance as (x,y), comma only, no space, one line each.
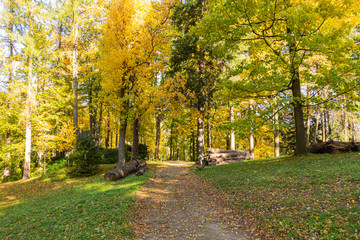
(176,205)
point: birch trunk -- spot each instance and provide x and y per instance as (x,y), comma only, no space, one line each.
(75,66)
(26,173)
(29,102)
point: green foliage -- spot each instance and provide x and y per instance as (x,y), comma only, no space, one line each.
(85,157)
(110,155)
(87,208)
(308,197)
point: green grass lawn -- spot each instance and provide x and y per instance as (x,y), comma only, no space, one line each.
(58,207)
(306,197)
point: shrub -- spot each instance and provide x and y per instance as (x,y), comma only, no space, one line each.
(85,157)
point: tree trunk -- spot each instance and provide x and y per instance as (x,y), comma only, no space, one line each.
(232,133)
(298,114)
(308,117)
(316,126)
(107,138)
(200,138)
(323,120)
(120,171)
(98,126)
(92,115)
(251,137)
(117,136)
(297,103)
(209,134)
(276,134)
(353,133)
(193,146)
(29,103)
(346,125)
(26,173)
(171,141)
(158,135)
(75,67)
(135,145)
(8,132)
(328,123)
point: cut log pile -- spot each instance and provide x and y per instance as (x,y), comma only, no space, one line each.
(217,156)
(334,147)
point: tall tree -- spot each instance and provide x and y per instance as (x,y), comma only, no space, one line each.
(284,34)
(199,65)
(133,43)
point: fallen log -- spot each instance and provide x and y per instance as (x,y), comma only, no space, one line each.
(334,147)
(126,169)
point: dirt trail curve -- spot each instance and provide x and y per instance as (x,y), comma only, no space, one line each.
(176,205)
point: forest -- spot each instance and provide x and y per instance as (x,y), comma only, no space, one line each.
(108,81)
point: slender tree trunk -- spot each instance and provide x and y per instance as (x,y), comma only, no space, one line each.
(92,115)
(323,120)
(8,132)
(346,125)
(107,138)
(135,145)
(209,134)
(193,146)
(353,133)
(158,135)
(29,103)
(111,139)
(171,141)
(316,131)
(98,126)
(75,67)
(232,133)
(308,117)
(200,138)
(251,137)
(276,134)
(328,123)
(26,173)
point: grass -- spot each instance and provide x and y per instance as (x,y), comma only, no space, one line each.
(306,197)
(58,207)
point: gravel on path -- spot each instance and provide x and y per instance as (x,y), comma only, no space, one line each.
(175,204)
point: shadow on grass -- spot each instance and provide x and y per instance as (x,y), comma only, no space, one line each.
(91,209)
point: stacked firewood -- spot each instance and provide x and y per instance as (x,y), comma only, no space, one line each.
(217,156)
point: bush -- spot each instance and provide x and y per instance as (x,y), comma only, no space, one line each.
(85,157)
(110,155)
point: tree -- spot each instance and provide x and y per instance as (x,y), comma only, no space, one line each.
(133,42)
(283,34)
(198,65)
